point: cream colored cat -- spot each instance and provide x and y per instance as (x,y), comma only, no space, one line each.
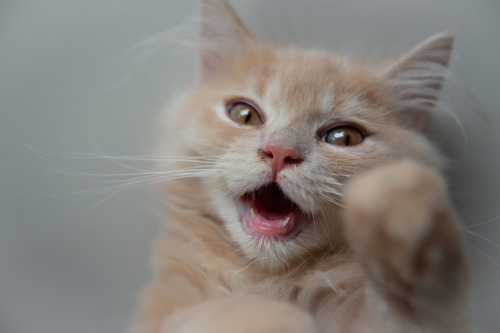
(307,197)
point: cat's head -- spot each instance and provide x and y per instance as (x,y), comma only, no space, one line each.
(283,130)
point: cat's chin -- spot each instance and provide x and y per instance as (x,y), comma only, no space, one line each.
(268,213)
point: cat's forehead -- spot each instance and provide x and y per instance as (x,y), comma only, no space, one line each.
(296,81)
(297,74)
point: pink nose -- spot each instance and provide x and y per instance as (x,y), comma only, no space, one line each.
(278,157)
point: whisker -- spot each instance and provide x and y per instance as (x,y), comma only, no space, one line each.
(484,254)
(72,172)
(147,180)
(155,158)
(116,161)
(100,202)
(484,238)
(483,223)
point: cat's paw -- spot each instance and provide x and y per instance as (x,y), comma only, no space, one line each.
(401,225)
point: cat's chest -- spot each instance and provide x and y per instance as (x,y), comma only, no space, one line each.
(329,281)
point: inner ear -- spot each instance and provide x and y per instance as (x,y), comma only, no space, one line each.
(222,36)
(415,79)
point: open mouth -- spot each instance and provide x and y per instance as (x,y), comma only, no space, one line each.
(268,212)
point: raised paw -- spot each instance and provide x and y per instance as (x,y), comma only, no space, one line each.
(401,225)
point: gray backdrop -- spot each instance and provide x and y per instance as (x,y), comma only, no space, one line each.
(74,251)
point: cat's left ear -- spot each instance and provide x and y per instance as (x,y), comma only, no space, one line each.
(222,36)
(416,78)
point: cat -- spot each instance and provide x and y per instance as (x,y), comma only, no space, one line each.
(306,196)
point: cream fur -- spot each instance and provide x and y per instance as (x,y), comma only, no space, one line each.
(381,250)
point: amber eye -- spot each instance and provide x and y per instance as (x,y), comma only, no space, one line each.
(245,114)
(344,136)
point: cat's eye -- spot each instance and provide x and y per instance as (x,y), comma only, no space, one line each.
(245,114)
(344,136)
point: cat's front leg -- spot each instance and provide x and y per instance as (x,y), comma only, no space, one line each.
(246,314)
(400,223)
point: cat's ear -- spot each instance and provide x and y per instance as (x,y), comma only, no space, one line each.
(222,36)
(415,79)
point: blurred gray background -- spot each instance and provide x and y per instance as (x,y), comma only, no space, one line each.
(74,252)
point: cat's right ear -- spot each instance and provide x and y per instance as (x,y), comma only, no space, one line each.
(415,79)
(222,36)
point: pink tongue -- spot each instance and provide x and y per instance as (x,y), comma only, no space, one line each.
(272,204)
(260,225)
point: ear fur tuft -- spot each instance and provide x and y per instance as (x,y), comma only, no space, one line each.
(222,35)
(415,79)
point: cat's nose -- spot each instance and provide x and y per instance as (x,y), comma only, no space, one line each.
(279,156)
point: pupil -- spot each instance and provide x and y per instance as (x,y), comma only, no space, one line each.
(347,139)
(247,115)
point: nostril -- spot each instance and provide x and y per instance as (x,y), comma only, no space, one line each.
(266,153)
(292,159)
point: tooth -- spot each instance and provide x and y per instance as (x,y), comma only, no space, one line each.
(252,213)
(285,222)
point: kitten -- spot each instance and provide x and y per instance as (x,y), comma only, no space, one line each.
(306,197)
